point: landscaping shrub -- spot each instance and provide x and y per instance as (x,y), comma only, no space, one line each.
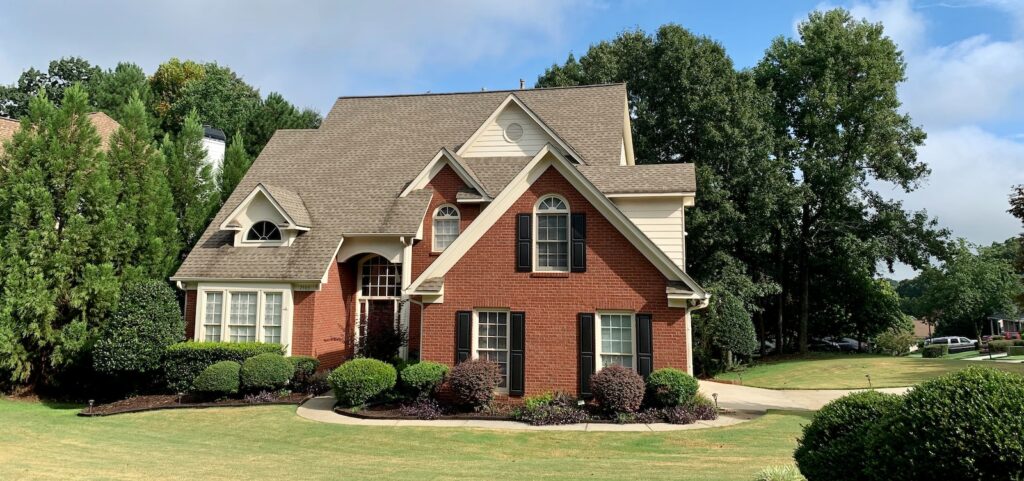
(671,387)
(834,446)
(317,383)
(964,425)
(473,382)
(999,346)
(935,350)
(422,379)
(895,343)
(618,390)
(185,360)
(697,408)
(786,472)
(550,409)
(218,379)
(423,409)
(266,372)
(132,342)
(997,338)
(382,341)
(359,380)
(305,368)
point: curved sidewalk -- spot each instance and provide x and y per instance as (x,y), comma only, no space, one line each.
(746,402)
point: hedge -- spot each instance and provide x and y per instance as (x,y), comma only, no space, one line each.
(834,446)
(220,378)
(359,380)
(999,346)
(1015,351)
(671,387)
(134,339)
(266,372)
(964,425)
(935,350)
(185,360)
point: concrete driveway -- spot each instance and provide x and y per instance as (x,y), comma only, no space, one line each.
(753,399)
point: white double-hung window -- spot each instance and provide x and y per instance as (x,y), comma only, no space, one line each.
(244,314)
(616,340)
(491,340)
(446,226)
(552,244)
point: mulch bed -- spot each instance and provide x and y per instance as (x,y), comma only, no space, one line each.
(393,410)
(156,402)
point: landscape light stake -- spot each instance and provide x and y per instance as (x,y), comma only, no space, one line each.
(91,402)
(869,381)
(180,395)
(714,395)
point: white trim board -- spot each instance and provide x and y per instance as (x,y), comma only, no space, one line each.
(549,157)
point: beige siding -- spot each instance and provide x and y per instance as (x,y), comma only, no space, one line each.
(492,141)
(661,219)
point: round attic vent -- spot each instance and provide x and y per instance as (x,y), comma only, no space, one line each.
(513,132)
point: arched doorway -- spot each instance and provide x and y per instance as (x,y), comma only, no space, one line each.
(378,297)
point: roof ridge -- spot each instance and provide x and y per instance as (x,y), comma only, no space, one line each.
(427,94)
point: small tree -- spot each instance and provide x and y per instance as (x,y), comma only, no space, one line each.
(236,164)
(191,179)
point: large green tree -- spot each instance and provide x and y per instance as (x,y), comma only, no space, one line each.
(60,75)
(272,114)
(193,187)
(220,98)
(236,164)
(144,199)
(113,89)
(838,126)
(59,239)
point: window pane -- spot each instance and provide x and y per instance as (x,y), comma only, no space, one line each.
(553,242)
(212,321)
(445,232)
(617,340)
(272,317)
(242,317)
(381,278)
(492,341)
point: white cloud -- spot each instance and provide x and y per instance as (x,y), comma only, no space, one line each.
(305,50)
(901,22)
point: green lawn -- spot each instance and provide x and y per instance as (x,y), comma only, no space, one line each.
(956,355)
(271,442)
(847,371)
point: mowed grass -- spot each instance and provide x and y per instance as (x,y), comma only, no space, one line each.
(271,442)
(848,371)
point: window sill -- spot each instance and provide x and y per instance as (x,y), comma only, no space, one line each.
(555,275)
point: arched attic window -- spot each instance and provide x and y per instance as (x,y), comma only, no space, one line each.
(263,231)
(446,226)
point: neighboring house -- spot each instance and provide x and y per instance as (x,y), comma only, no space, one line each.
(510,225)
(1002,324)
(104,125)
(922,329)
(215,142)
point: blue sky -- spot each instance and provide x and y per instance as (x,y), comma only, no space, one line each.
(965,60)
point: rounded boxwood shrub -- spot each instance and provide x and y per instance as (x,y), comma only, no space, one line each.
(359,380)
(134,339)
(617,389)
(834,444)
(935,350)
(305,368)
(964,425)
(220,378)
(422,379)
(266,372)
(473,382)
(185,360)
(671,387)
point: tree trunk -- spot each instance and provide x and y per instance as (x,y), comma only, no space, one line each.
(760,323)
(781,341)
(805,276)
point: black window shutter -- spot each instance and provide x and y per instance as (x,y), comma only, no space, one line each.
(463,334)
(579,243)
(524,241)
(644,345)
(587,353)
(516,362)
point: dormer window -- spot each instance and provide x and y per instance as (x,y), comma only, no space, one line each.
(263,231)
(552,245)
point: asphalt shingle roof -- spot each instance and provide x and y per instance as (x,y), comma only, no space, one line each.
(647,179)
(349,173)
(291,203)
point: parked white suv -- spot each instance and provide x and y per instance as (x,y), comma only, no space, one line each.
(956,344)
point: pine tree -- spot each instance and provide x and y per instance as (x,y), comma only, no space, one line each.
(144,201)
(191,179)
(236,164)
(59,237)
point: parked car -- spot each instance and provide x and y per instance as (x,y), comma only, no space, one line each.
(955,343)
(824,345)
(845,344)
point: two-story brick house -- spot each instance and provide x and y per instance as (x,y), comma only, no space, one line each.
(514,226)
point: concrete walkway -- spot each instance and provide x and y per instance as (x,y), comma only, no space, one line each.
(746,403)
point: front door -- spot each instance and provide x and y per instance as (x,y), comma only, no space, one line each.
(380,315)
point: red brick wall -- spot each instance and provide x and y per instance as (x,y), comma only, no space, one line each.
(190,314)
(618,277)
(321,320)
(446,185)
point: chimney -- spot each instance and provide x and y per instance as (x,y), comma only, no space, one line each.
(522,84)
